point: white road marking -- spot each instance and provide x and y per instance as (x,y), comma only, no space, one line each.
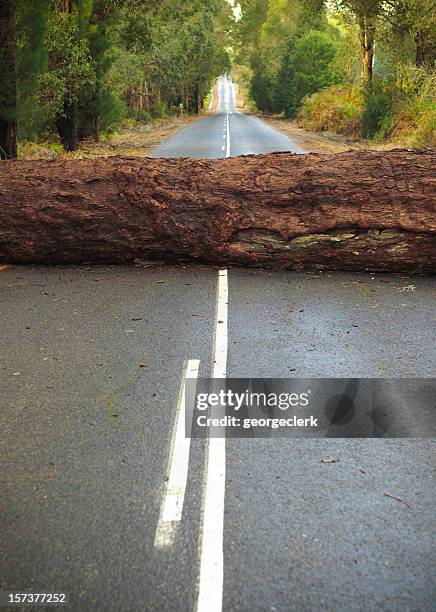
(178,463)
(228,137)
(210,594)
(222,148)
(220,347)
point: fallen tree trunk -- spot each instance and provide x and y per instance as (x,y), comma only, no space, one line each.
(360,210)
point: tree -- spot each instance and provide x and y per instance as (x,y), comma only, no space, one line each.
(268,31)
(8,81)
(31,60)
(176,50)
(367,13)
(284,211)
(416,18)
(307,68)
(99,107)
(78,66)
(71,70)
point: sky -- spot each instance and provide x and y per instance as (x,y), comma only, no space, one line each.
(236,9)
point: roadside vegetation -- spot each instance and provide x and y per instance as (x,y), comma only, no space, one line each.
(72,70)
(364,69)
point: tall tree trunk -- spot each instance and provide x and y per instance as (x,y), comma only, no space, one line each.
(8,138)
(66,5)
(185,99)
(425,48)
(8,82)
(197,100)
(66,125)
(367,30)
(360,210)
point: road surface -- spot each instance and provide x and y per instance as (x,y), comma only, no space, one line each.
(92,364)
(209,137)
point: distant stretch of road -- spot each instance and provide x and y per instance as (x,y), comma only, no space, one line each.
(105,499)
(226,133)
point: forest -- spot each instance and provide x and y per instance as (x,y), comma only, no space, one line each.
(361,68)
(76,69)
(71,69)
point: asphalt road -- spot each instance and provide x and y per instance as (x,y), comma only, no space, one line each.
(209,137)
(90,372)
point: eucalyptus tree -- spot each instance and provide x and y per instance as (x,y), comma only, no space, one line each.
(367,14)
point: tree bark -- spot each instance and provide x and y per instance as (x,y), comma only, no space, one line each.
(66,126)
(8,138)
(367,30)
(360,210)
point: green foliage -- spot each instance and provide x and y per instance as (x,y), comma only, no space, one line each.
(175,50)
(414,123)
(307,69)
(100,107)
(7,62)
(83,66)
(270,31)
(406,117)
(412,120)
(71,76)
(354,67)
(31,61)
(346,65)
(261,89)
(377,108)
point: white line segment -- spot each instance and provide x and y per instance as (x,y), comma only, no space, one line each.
(228,136)
(220,345)
(212,555)
(178,463)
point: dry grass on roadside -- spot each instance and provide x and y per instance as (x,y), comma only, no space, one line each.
(322,142)
(131,139)
(313,142)
(335,109)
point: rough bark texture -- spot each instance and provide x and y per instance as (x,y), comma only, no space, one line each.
(355,211)
(367,29)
